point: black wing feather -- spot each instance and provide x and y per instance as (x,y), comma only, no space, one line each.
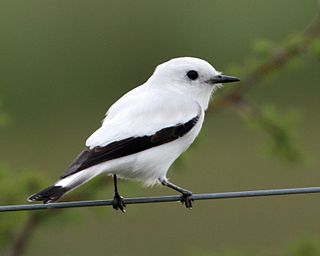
(125,147)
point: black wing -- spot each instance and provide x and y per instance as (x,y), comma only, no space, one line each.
(125,147)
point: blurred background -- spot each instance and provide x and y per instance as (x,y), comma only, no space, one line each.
(63,63)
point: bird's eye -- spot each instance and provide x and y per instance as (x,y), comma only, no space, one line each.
(192,74)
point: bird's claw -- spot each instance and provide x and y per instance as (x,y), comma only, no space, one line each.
(187,199)
(118,203)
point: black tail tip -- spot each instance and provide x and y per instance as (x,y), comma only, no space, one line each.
(48,195)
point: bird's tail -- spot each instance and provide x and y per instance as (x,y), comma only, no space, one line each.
(62,186)
(50,194)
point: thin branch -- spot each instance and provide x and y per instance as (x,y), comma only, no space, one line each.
(234,97)
(20,241)
(277,59)
(162,199)
(23,237)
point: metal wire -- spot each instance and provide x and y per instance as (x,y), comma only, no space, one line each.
(162,199)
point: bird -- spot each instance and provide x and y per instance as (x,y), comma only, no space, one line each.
(146,130)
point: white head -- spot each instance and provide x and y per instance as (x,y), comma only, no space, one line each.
(192,77)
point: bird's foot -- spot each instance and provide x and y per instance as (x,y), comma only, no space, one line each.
(187,199)
(118,202)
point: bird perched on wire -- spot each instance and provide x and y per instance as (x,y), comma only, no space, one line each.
(146,130)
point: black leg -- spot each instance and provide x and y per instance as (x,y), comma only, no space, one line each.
(186,194)
(118,202)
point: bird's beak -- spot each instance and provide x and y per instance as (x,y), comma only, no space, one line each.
(220,79)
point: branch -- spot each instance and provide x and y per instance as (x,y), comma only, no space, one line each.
(23,237)
(20,241)
(276,60)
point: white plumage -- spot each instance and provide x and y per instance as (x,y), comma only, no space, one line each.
(170,98)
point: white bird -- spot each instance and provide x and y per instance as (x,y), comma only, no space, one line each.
(146,130)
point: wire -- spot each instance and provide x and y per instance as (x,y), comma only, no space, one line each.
(162,199)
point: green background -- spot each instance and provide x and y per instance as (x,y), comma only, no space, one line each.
(63,63)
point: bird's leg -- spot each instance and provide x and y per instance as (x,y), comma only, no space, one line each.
(118,202)
(186,194)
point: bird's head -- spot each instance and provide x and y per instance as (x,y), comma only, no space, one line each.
(190,76)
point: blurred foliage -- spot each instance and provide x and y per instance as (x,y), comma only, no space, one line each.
(305,248)
(281,128)
(302,247)
(282,144)
(4,118)
(316,48)
(25,183)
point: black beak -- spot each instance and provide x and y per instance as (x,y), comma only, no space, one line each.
(220,79)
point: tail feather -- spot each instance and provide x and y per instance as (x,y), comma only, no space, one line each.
(57,190)
(50,194)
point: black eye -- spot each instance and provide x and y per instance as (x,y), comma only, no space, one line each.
(192,74)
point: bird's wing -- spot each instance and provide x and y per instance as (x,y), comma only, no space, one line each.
(138,121)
